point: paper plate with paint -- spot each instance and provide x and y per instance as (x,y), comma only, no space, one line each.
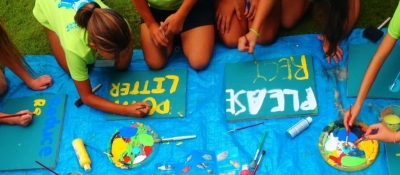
(353,157)
(132,146)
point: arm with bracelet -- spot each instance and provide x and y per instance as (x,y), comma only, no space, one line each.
(248,42)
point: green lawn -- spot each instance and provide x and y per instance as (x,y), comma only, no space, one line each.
(30,38)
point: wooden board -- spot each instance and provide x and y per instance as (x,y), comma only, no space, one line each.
(359,58)
(164,90)
(393,157)
(21,146)
(281,87)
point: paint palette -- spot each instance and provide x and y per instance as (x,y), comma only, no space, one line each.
(132,146)
(351,158)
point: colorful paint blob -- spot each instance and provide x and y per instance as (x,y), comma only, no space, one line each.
(131,146)
(351,158)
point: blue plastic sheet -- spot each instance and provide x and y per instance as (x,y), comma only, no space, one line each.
(206,113)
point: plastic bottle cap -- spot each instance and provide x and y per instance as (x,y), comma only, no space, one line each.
(87,167)
(245,167)
(309,119)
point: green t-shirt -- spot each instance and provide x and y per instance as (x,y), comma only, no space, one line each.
(394,26)
(165,4)
(58,16)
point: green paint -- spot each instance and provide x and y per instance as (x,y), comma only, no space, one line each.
(359,58)
(259,88)
(158,88)
(352,161)
(40,140)
(145,139)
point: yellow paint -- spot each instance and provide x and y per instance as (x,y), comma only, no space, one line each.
(145,88)
(398,154)
(158,89)
(37,103)
(392,119)
(302,67)
(179,143)
(288,66)
(180,114)
(175,82)
(118,147)
(258,74)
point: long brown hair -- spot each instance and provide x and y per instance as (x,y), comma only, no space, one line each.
(8,50)
(106,28)
(333,15)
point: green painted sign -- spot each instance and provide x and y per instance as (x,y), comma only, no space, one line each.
(164,90)
(383,87)
(21,146)
(271,88)
(393,157)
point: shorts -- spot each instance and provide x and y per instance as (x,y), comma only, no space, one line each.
(201,14)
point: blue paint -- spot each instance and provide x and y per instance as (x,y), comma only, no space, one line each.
(357,153)
(127,132)
(341,134)
(136,150)
(50,123)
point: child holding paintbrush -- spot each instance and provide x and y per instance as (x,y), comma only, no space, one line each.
(384,49)
(336,19)
(23,118)
(78,31)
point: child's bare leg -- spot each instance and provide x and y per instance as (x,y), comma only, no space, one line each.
(292,11)
(237,27)
(198,45)
(155,56)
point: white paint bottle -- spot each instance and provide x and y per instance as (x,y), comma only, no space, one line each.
(298,127)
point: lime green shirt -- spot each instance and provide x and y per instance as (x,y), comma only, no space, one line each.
(165,4)
(394,26)
(58,16)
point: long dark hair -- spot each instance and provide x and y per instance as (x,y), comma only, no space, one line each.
(333,16)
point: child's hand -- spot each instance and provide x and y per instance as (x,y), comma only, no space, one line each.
(250,13)
(172,25)
(247,42)
(139,109)
(338,55)
(223,16)
(384,134)
(41,83)
(24,119)
(157,35)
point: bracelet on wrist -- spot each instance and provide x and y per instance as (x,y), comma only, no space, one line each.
(254,31)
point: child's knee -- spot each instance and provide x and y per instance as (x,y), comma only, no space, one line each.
(267,38)
(199,62)
(231,42)
(157,66)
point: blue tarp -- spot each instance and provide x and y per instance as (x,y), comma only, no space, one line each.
(206,113)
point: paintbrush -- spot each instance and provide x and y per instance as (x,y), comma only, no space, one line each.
(394,82)
(258,163)
(254,58)
(175,138)
(46,167)
(348,130)
(98,150)
(13,115)
(253,163)
(363,137)
(244,127)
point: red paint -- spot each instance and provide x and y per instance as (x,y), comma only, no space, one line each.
(335,159)
(127,159)
(187,169)
(147,150)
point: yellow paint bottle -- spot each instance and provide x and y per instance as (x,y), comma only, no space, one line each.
(82,154)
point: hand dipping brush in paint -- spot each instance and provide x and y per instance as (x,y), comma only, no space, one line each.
(375,65)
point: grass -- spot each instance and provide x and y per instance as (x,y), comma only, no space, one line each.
(31,39)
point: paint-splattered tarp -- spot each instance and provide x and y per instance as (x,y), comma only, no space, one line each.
(206,113)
